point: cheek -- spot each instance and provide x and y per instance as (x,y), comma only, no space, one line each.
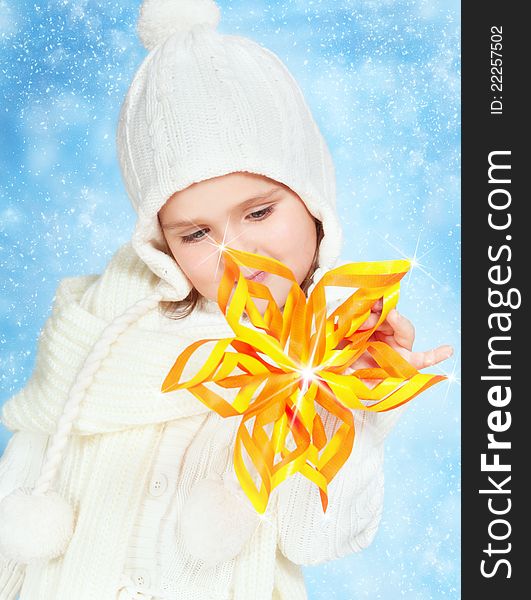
(195,260)
(294,236)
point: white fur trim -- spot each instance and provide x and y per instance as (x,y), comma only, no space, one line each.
(159,19)
(34,527)
(217,521)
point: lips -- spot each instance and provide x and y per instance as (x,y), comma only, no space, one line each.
(257,276)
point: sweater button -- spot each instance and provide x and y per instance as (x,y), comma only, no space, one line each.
(158,485)
(141,579)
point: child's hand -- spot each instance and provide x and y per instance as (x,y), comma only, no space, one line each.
(399,333)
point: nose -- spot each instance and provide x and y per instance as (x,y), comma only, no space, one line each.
(239,238)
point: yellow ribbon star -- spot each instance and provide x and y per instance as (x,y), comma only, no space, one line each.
(300,357)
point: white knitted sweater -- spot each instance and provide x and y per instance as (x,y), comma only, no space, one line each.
(114,443)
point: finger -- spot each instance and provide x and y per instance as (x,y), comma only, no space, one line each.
(421,360)
(381,336)
(385,329)
(376,311)
(370,322)
(377,306)
(404,331)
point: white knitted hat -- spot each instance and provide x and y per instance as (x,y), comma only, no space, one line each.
(204,104)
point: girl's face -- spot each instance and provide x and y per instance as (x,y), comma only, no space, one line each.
(246,212)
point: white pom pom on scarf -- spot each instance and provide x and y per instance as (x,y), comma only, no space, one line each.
(159,19)
(34,528)
(217,520)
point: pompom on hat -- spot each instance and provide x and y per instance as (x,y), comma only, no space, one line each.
(201,105)
(159,19)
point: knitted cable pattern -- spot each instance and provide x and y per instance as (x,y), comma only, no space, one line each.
(82,382)
(202,105)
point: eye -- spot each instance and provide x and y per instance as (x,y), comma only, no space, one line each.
(194,237)
(258,215)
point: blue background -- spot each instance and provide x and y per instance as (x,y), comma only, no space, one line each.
(383,81)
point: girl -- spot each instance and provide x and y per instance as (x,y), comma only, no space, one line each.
(111,489)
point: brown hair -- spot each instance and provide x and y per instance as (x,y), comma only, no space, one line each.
(182,308)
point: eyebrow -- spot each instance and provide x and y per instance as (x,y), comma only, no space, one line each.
(243,205)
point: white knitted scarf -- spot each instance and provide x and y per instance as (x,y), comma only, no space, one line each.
(135,367)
